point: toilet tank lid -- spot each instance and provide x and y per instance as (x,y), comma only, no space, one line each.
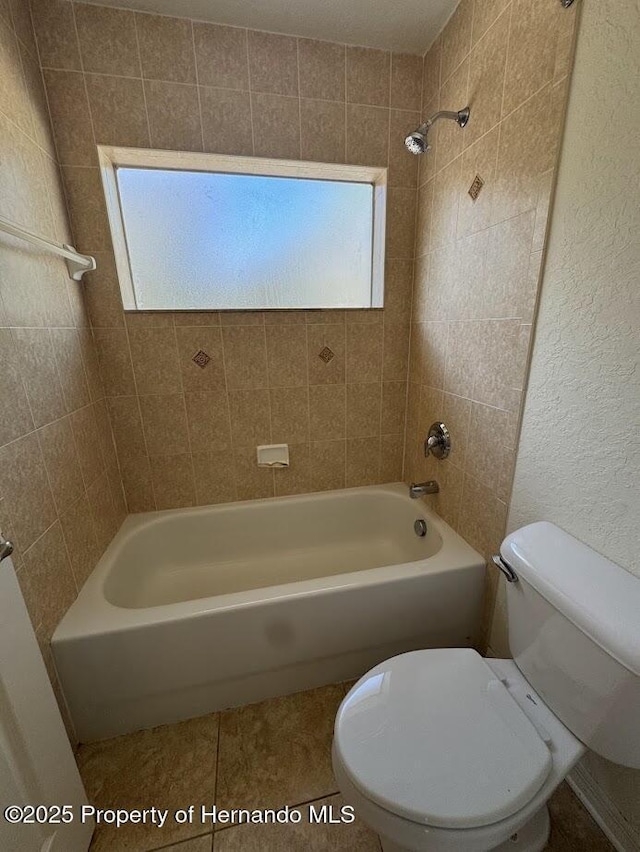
(596,595)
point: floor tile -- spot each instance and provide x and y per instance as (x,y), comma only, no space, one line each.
(300,837)
(170,767)
(278,752)
(575,824)
(198,844)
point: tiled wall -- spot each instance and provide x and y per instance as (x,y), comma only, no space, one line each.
(478,262)
(60,493)
(187,435)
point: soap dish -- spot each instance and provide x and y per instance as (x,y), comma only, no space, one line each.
(273,455)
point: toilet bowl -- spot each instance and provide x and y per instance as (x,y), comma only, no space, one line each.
(471,754)
(445,751)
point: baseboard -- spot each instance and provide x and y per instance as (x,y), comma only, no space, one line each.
(622,835)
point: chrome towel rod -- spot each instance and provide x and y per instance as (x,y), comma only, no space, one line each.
(77,263)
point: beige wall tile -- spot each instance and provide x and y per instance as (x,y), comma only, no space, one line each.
(403,166)
(174,116)
(363,462)
(295,478)
(401,220)
(406,81)
(208,421)
(214,477)
(273,63)
(322,69)
(364,353)
(173,481)
(112,346)
(322,131)
(327,465)
(423,219)
(50,581)
(444,214)
(87,210)
(486,79)
(289,415)
(431,72)
(154,356)
(396,353)
(80,538)
(15,419)
(14,95)
(327,412)
(532,49)
(54,24)
(484,14)
(245,357)
(252,482)
(528,146)
(482,517)
(37,365)
(276,126)
(102,293)
(451,138)
(108,40)
(250,417)
(479,160)
(61,460)
(287,355)
(68,355)
(456,414)
(398,291)
(368,76)
(242,317)
(456,38)
(500,363)
(463,351)
(391,457)
(364,403)
(226,121)
(319,338)
(367,135)
(507,291)
(118,110)
(164,421)
(221,56)
(208,339)
(138,488)
(87,440)
(70,117)
(25,487)
(393,407)
(166,48)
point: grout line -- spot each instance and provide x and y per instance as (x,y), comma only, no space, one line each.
(142,78)
(195,66)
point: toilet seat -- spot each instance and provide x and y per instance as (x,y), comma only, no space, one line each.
(435,737)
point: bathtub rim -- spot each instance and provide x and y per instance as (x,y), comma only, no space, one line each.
(92,614)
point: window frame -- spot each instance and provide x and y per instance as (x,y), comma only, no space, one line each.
(110,158)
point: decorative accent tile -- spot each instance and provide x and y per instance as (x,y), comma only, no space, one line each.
(326,355)
(201,358)
(476,187)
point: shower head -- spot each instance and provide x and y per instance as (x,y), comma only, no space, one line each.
(418,143)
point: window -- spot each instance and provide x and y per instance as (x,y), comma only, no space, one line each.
(214,232)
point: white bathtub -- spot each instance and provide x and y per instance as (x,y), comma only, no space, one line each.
(194,610)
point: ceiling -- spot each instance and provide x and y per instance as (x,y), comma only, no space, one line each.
(404,25)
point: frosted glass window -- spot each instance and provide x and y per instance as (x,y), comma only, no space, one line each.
(208,240)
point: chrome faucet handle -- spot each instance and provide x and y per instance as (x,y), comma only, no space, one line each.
(6,548)
(438,442)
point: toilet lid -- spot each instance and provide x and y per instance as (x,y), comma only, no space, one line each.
(434,736)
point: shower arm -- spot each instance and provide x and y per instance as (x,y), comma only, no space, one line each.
(444,113)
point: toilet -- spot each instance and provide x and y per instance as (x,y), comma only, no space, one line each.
(445,751)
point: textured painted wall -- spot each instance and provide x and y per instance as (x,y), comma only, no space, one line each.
(578,462)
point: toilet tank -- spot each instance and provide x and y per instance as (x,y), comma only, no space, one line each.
(574,632)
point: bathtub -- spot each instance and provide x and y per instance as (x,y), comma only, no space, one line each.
(195,610)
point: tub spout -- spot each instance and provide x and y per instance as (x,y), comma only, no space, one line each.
(419,489)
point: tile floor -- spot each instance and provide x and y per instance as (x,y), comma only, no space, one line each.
(267,755)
